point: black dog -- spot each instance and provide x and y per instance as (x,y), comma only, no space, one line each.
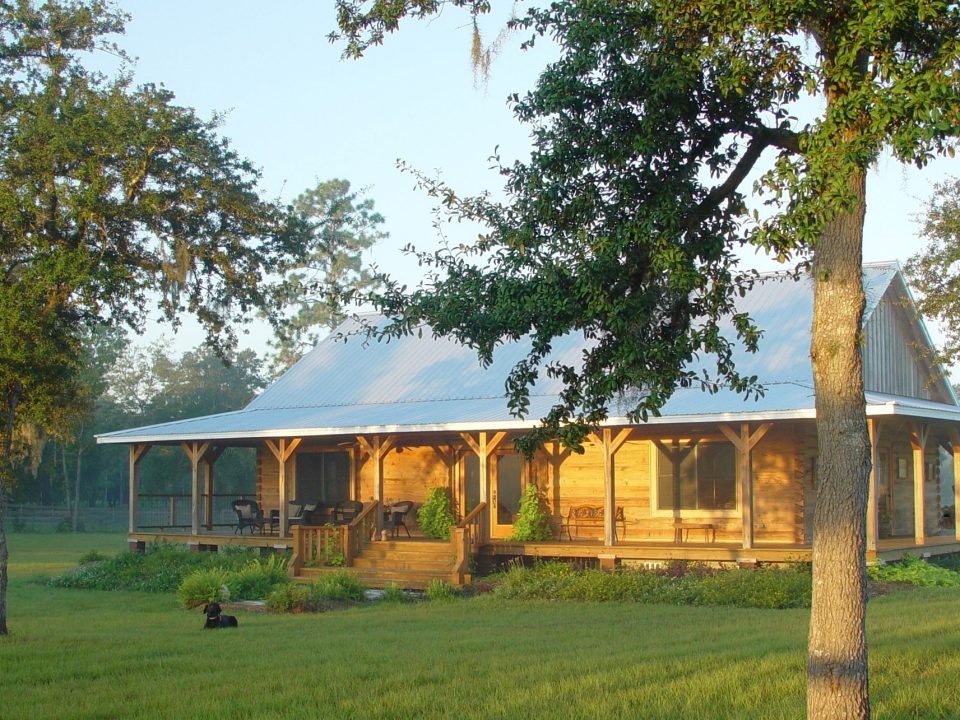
(216,619)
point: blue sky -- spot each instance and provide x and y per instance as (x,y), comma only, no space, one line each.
(302,114)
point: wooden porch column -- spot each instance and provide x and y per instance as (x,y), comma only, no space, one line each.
(377,448)
(282,450)
(556,454)
(744,444)
(484,447)
(955,453)
(873,529)
(211,457)
(609,445)
(195,452)
(918,442)
(135,454)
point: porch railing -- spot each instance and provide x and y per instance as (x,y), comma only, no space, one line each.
(465,538)
(332,544)
(360,531)
(159,511)
(316,545)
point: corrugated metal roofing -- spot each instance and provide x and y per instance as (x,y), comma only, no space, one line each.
(429,383)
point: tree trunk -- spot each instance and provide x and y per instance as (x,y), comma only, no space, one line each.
(75,510)
(837,653)
(4,555)
(12,400)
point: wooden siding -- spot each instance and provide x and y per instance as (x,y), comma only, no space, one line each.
(778,490)
(409,472)
(268,480)
(893,355)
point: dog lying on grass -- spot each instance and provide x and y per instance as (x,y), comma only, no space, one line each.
(216,619)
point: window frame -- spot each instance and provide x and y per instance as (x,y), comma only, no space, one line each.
(681,513)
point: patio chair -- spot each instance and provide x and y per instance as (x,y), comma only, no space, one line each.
(249,515)
(300,513)
(346,511)
(398,514)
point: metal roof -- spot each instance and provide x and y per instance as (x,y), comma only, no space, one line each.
(350,384)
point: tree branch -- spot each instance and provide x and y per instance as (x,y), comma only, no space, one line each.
(760,139)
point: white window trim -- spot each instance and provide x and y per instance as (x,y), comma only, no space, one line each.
(655,510)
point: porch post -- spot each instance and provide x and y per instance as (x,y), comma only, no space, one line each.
(484,446)
(208,461)
(134,454)
(282,450)
(378,480)
(195,452)
(918,442)
(377,448)
(873,530)
(955,451)
(609,445)
(744,444)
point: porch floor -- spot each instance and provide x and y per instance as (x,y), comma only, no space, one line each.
(649,550)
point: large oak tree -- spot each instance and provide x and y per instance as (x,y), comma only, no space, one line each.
(622,223)
(113,201)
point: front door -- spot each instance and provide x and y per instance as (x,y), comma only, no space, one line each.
(506,488)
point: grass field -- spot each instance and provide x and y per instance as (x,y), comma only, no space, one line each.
(90,654)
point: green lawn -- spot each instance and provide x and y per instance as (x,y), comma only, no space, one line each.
(88,654)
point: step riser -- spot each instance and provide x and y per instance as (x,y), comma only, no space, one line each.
(408,564)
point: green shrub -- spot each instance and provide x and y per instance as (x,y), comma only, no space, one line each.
(340,586)
(160,568)
(438,589)
(287,598)
(257,578)
(914,571)
(533,522)
(761,588)
(392,593)
(677,584)
(202,586)
(91,556)
(435,516)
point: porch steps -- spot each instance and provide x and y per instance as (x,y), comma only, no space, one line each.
(411,564)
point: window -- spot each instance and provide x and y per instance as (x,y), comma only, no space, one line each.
(323,476)
(694,475)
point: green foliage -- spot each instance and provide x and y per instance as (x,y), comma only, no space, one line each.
(915,571)
(340,586)
(677,584)
(934,271)
(532,522)
(435,516)
(328,589)
(438,589)
(203,586)
(257,579)
(327,553)
(160,568)
(91,556)
(287,598)
(393,593)
(343,225)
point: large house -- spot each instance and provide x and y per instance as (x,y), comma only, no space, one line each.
(714,478)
